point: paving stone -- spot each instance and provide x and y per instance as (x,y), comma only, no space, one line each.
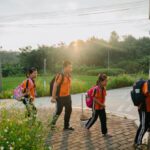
(122,131)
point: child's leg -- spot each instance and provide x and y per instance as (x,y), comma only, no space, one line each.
(33,110)
(68,111)
(92,120)
(103,120)
(28,108)
(148,117)
(26,103)
(142,128)
(58,111)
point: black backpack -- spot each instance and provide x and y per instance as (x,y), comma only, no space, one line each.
(137,95)
(52,84)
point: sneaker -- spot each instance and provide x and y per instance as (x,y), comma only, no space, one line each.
(69,129)
(107,135)
(138,146)
(134,145)
(53,127)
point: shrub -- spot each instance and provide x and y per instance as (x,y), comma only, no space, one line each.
(120,81)
(83,69)
(6,94)
(41,89)
(18,132)
(80,83)
(109,72)
(79,86)
(11,70)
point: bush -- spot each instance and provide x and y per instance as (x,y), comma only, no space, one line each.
(129,66)
(79,86)
(16,132)
(11,70)
(109,72)
(6,94)
(83,69)
(80,83)
(120,81)
(95,70)
(41,90)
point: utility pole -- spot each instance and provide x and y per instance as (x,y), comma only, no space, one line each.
(45,66)
(44,74)
(108,59)
(0,72)
(149,9)
(149,33)
(149,68)
(0,76)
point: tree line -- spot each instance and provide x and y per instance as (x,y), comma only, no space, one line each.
(127,52)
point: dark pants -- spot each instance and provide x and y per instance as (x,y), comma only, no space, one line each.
(102,116)
(143,127)
(30,107)
(63,102)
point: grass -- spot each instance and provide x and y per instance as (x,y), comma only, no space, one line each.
(80,83)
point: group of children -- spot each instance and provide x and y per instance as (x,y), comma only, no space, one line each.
(61,96)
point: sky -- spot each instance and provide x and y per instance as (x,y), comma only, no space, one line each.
(49,22)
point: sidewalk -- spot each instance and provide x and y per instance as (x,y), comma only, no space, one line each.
(122,131)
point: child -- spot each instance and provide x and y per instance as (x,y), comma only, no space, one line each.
(63,99)
(144,115)
(30,92)
(99,104)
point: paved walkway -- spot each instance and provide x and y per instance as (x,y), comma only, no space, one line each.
(122,131)
(118,101)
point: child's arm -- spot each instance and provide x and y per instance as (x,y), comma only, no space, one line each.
(56,84)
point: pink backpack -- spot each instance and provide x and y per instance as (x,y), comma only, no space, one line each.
(89,96)
(18,91)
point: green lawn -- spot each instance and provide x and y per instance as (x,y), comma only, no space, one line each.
(80,83)
(11,82)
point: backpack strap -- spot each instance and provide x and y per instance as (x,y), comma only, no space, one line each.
(27,83)
(100,89)
(148,82)
(62,78)
(95,90)
(26,87)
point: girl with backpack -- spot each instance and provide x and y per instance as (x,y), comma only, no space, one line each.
(29,87)
(99,94)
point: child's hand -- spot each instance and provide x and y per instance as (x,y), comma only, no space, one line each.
(27,92)
(53,100)
(103,105)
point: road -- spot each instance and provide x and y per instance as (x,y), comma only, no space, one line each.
(118,101)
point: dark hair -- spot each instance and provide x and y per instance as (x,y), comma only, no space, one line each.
(101,77)
(31,70)
(66,63)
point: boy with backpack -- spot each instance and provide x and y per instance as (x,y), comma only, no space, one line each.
(99,94)
(60,91)
(26,92)
(144,114)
